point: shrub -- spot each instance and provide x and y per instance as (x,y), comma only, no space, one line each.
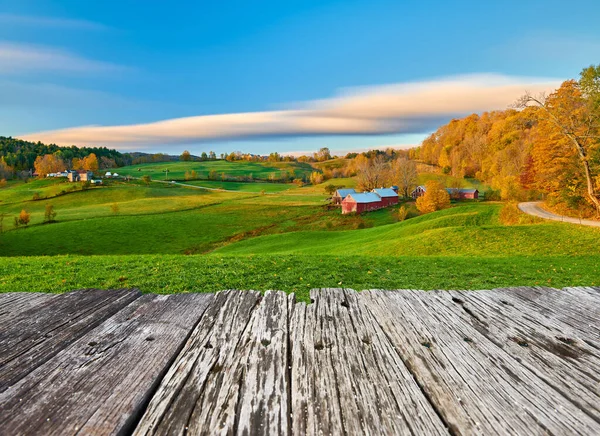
(402,213)
(330,188)
(2,183)
(491,195)
(114,208)
(36,196)
(510,214)
(24,218)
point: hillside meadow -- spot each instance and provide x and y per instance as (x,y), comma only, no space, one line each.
(165,237)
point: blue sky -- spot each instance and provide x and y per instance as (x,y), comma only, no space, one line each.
(343,74)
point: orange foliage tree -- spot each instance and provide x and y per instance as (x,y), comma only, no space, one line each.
(569,126)
(48,164)
(435,198)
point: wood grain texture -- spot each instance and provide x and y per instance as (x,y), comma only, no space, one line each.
(346,375)
(573,307)
(476,386)
(546,347)
(42,331)
(101,383)
(13,304)
(200,393)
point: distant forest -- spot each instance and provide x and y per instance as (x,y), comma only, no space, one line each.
(19,157)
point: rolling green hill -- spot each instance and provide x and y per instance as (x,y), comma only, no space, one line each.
(176,170)
(170,238)
(466,230)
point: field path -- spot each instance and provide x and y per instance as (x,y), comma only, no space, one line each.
(534,208)
(209,189)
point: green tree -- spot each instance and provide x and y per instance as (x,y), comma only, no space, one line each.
(204,156)
(49,214)
(330,188)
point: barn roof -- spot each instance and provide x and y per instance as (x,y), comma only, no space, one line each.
(462,191)
(365,197)
(385,192)
(343,192)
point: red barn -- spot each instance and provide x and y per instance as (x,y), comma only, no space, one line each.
(388,196)
(418,192)
(362,202)
(463,194)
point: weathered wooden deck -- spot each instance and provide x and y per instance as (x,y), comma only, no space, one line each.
(507,361)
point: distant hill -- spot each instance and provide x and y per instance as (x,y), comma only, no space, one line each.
(20,155)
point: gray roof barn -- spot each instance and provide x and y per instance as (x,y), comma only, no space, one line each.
(365,197)
(385,192)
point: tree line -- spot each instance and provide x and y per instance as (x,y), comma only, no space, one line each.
(545,146)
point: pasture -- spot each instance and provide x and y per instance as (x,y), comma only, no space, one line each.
(169,238)
(238,169)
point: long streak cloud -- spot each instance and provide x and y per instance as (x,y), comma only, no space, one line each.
(397,108)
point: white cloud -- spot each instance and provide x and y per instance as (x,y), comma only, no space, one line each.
(19,58)
(53,22)
(398,108)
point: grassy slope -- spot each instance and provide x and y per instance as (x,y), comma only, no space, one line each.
(258,170)
(172,273)
(243,186)
(162,218)
(463,247)
(471,230)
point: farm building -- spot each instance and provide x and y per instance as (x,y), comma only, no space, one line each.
(340,194)
(463,194)
(361,202)
(80,176)
(388,196)
(418,192)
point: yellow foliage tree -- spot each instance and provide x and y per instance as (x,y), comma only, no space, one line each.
(435,198)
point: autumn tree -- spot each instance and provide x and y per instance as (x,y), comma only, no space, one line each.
(371,173)
(435,198)
(24,218)
(146,179)
(316,178)
(185,156)
(47,164)
(6,171)
(572,113)
(404,174)
(322,155)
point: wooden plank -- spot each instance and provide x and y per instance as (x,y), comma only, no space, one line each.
(346,376)
(476,386)
(101,383)
(12,305)
(201,390)
(551,350)
(570,307)
(42,331)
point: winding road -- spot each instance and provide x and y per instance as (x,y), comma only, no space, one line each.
(534,208)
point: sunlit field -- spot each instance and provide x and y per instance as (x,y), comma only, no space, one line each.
(164,237)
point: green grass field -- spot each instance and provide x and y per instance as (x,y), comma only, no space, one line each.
(177,170)
(169,238)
